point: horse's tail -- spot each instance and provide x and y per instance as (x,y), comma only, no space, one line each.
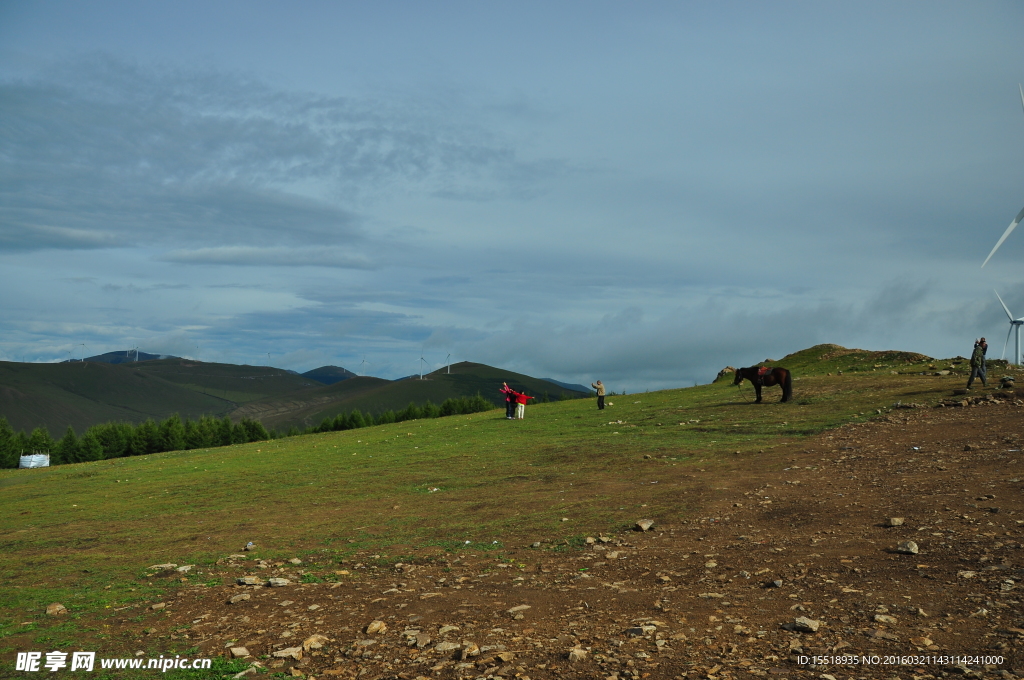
(787,386)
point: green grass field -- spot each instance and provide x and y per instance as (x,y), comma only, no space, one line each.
(85,534)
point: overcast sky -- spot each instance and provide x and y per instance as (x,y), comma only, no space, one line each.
(638,192)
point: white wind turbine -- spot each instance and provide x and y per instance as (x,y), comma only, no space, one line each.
(1015,325)
(361,364)
(422,361)
(1016,220)
(448,363)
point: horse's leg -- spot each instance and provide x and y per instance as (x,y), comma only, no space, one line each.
(757,389)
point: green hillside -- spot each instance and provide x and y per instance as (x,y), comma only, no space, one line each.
(55,396)
(373,395)
(83,394)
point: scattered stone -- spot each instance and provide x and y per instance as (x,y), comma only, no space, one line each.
(469,649)
(313,642)
(711,596)
(645,524)
(894,522)
(158,606)
(163,567)
(278,582)
(536,544)
(249,546)
(185,568)
(519,608)
(802,623)
(880,634)
(239,652)
(612,554)
(289,653)
(447,629)
(577,654)
(966,574)
(885,618)
(56,609)
(239,598)
(921,641)
(376,628)
(295,560)
(445,647)
(248,581)
(907,548)
(565,519)
(591,540)
(777,583)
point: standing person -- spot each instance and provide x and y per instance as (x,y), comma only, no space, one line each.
(599,386)
(978,368)
(510,400)
(521,404)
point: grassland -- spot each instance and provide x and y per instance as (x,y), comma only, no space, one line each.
(84,534)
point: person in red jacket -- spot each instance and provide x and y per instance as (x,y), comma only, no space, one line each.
(521,404)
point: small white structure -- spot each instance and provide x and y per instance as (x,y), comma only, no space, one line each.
(35,460)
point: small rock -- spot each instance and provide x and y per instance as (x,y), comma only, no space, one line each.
(289,653)
(577,654)
(248,581)
(56,609)
(249,546)
(710,565)
(468,650)
(376,628)
(907,548)
(921,641)
(612,555)
(239,598)
(445,647)
(239,652)
(591,540)
(184,569)
(885,618)
(295,560)
(894,522)
(278,582)
(535,544)
(565,519)
(966,574)
(519,608)
(163,567)
(645,524)
(807,625)
(313,642)
(447,629)
(158,606)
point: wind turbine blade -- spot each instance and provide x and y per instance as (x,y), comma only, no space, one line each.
(1021,94)
(1003,356)
(1013,225)
(1008,315)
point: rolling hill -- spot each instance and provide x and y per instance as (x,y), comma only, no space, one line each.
(328,375)
(79,394)
(373,395)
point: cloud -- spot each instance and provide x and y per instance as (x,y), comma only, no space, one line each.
(278,256)
(97,152)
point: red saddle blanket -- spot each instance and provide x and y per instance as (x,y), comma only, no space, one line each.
(762,371)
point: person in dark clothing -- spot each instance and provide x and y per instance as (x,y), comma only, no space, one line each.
(599,386)
(510,400)
(978,369)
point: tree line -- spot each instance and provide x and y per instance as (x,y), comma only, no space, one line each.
(117,440)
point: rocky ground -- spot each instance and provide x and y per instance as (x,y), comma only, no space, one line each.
(895,543)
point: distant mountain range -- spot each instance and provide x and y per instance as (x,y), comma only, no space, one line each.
(125,357)
(107,388)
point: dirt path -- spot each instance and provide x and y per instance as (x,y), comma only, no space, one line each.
(693,599)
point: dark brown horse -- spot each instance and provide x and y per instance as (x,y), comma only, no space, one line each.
(771,376)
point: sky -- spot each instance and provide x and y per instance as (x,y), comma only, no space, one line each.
(641,193)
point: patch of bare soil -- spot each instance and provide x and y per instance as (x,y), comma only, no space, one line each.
(814,542)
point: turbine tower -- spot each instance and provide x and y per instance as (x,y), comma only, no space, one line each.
(422,361)
(1016,220)
(1015,325)
(449,363)
(361,364)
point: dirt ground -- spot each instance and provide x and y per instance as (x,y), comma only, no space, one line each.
(715,596)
